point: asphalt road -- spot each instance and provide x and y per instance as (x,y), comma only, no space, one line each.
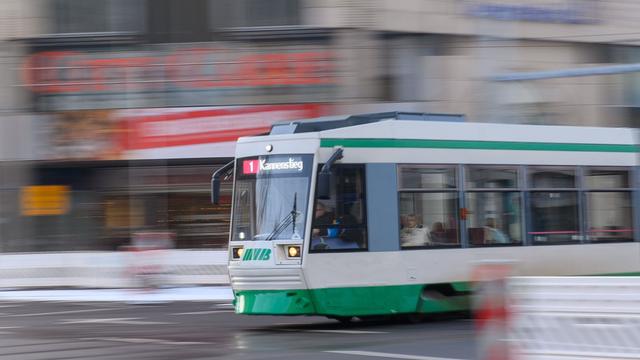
(206,330)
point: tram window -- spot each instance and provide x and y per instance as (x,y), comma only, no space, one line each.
(609,216)
(426,177)
(340,222)
(491,178)
(607,179)
(494,218)
(552,178)
(428,219)
(554,217)
(609,213)
(243,222)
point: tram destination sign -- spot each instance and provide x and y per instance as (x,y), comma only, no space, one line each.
(266,165)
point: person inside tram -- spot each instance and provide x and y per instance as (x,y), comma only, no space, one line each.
(322,220)
(350,229)
(327,229)
(438,233)
(493,235)
(413,233)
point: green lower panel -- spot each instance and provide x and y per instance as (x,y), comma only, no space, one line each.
(448,304)
(273,302)
(352,301)
(377,300)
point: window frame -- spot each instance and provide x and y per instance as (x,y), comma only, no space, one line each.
(364,223)
(586,190)
(530,189)
(455,190)
(518,189)
(577,178)
(524,187)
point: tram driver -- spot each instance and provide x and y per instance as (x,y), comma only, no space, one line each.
(334,232)
(323,219)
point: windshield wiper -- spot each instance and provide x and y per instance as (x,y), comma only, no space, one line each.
(286,221)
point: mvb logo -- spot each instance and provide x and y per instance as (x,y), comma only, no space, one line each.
(256,254)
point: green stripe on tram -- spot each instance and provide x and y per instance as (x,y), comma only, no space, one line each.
(477,145)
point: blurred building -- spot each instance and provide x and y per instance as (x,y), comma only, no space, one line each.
(115,112)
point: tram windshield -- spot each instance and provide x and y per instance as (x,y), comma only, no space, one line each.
(270,197)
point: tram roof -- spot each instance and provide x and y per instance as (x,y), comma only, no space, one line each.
(337,122)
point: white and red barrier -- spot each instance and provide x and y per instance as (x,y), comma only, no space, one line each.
(571,318)
(491,309)
(110,269)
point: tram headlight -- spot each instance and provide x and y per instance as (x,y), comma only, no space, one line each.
(293,251)
(236,253)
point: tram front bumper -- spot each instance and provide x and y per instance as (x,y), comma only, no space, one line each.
(273,302)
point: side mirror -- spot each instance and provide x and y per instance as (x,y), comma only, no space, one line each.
(324,185)
(215,181)
(324,176)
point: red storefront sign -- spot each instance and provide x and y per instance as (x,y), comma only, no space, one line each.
(158,128)
(161,133)
(60,72)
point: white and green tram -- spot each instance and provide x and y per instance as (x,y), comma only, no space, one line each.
(388,213)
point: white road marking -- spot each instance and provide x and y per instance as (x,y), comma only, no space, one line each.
(346,331)
(204,312)
(10,305)
(603,325)
(390,355)
(148,341)
(225,305)
(62,312)
(4,328)
(120,321)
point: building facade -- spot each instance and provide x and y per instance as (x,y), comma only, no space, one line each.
(115,112)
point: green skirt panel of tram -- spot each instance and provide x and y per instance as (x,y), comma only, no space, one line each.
(355,301)
(273,302)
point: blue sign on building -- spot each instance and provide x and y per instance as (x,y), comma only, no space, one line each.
(566,12)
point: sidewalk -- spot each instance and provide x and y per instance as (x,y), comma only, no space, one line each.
(198,293)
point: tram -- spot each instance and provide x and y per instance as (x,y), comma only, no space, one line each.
(389,213)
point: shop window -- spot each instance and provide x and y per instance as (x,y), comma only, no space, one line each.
(97,16)
(250,13)
(177,21)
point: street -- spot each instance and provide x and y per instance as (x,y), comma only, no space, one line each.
(208,330)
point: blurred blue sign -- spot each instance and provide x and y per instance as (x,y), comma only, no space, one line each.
(566,12)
